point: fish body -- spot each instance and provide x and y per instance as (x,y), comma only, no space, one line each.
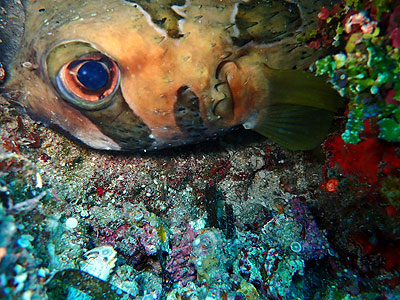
(123,75)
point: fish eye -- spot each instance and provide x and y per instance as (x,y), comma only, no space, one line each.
(88,82)
(82,75)
(93,74)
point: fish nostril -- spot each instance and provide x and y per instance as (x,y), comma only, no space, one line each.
(187,98)
(187,112)
(182,90)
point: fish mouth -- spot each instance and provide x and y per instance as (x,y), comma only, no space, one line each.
(222,103)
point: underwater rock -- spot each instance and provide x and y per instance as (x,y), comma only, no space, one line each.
(280,280)
(90,287)
(21,184)
(137,232)
(98,262)
(90,281)
(124,278)
(314,243)
(19,276)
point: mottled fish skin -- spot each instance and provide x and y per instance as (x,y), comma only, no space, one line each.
(12,17)
(99,262)
(186,70)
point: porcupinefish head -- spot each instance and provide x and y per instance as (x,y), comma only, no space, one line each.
(125,75)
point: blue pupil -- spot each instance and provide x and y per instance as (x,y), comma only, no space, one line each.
(93,75)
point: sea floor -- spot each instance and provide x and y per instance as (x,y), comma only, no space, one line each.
(234,218)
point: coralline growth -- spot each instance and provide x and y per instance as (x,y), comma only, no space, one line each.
(367,70)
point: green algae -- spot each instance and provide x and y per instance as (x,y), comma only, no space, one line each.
(381,5)
(391,191)
(390,126)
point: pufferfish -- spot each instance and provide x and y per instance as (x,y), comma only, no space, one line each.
(130,75)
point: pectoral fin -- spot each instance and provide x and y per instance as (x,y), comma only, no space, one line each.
(295,127)
(299,109)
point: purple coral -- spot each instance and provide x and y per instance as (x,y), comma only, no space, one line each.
(314,244)
(179,267)
(148,237)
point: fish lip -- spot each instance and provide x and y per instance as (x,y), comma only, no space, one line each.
(221,91)
(220,67)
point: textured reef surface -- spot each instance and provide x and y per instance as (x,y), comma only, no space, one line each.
(235,218)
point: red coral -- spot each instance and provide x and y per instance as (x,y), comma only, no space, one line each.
(389,99)
(394,27)
(391,211)
(389,251)
(324,14)
(394,20)
(328,20)
(391,255)
(395,36)
(331,185)
(34,140)
(10,145)
(179,266)
(314,45)
(391,161)
(100,191)
(360,160)
(221,168)
(366,159)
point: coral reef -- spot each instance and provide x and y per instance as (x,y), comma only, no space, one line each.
(176,236)
(234,218)
(367,71)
